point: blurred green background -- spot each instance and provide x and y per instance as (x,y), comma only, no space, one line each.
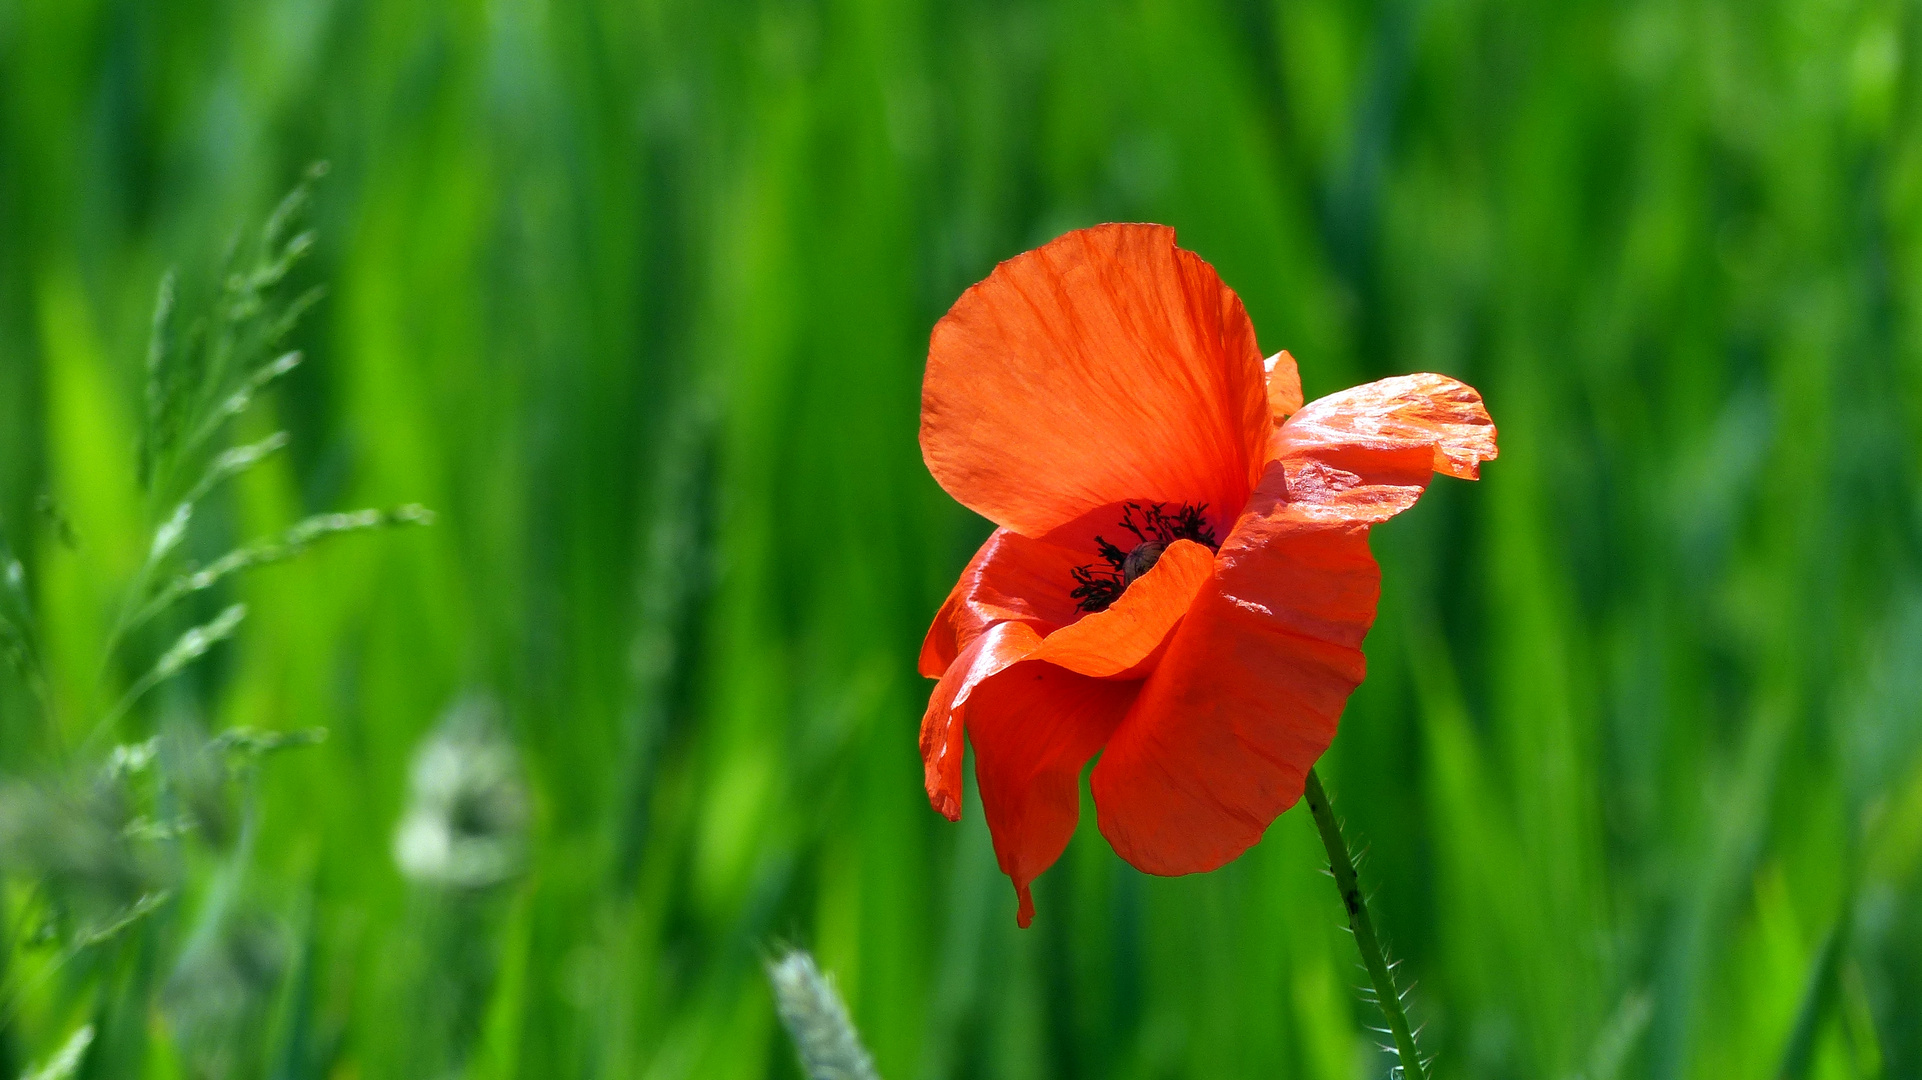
(635,296)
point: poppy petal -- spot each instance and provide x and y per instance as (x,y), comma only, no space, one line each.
(1120,638)
(1033,727)
(1284,385)
(991,652)
(1105,366)
(1247,696)
(1407,410)
(1011,578)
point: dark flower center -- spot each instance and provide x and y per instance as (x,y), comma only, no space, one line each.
(1154,528)
(1141,560)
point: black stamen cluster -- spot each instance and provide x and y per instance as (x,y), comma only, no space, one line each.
(1097,587)
(1157,524)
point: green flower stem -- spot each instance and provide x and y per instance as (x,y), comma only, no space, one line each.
(1372,955)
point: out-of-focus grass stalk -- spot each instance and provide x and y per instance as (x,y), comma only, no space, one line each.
(65,1062)
(1819,996)
(812,1012)
(1373,956)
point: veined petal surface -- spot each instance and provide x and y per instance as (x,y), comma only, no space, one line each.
(1391,414)
(995,650)
(1284,386)
(1248,694)
(1033,727)
(1010,579)
(1105,366)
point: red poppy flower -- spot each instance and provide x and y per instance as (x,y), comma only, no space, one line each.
(1181,578)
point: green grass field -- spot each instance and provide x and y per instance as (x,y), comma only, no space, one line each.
(634,296)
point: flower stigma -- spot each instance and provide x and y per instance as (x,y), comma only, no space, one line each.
(1097,586)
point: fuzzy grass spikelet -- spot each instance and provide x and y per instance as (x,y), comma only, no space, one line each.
(467,815)
(817,1021)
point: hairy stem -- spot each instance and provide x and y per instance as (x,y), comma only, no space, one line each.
(1373,956)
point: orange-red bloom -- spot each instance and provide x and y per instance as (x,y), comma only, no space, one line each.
(1181,578)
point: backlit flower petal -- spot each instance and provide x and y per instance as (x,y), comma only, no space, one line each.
(1121,638)
(988,654)
(1105,366)
(1407,410)
(1033,727)
(1284,386)
(1012,578)
(1247,696)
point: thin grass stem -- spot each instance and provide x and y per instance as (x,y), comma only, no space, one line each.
(1373,956)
